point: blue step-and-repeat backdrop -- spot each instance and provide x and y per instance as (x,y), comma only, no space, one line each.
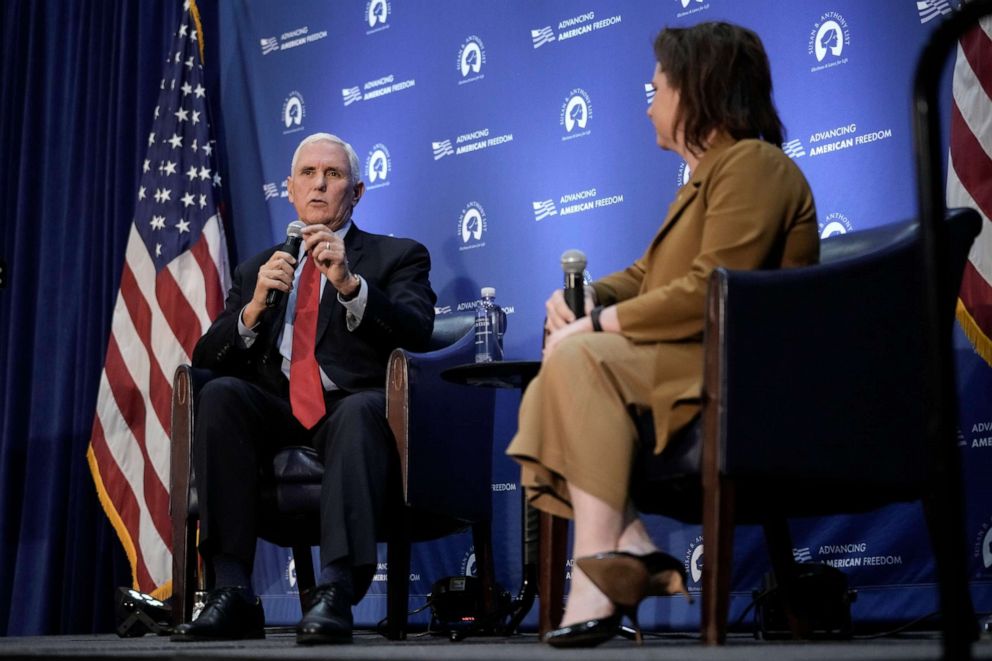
(500,134)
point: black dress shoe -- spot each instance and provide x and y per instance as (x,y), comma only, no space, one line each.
(585,634)
(329,618)
(229,614)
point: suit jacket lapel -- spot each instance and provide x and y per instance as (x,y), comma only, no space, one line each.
(685,195)
(689,192)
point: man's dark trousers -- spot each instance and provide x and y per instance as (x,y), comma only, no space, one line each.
(239,428)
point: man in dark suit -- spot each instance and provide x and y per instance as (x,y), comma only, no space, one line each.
(307,371)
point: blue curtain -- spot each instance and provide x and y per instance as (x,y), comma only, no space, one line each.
(79,81)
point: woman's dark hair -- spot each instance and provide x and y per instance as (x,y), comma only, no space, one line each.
(724,82)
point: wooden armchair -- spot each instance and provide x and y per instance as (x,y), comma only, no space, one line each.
(445,463)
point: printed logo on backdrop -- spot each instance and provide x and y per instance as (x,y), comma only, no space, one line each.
(842,137)
(269,45)
(381,568)
(293,112)
(575,114)
(292,39)
(982,552)
(508,309)
(684,174)
(469,567)
(696,7)
(442,149)
(543,209)
(378,165)
(828,39)
(377,15)
(931,9)
(272,190)
(542,36)
(835,223)
(573,203)
(469,142)
(291,573)
(472,226)
(374,89)
(649,92)
(693,561)
(981,435)
(351,94)
(569,28)
(802,555)
(471,57)
(848,555)
(794,148)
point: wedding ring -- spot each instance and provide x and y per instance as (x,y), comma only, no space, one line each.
(327,245)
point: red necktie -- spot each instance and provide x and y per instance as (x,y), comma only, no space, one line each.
(306,393)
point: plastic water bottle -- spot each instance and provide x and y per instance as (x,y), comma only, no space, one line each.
(490,324)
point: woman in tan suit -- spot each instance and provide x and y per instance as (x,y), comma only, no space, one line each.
(746,206)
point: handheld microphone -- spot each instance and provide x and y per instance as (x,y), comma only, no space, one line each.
(573,263)
(294,237)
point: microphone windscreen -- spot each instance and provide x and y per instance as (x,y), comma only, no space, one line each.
(295,228)
(573,261)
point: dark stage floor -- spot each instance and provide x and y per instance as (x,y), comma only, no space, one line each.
(372,646)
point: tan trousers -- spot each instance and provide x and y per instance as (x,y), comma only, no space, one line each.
(575,427)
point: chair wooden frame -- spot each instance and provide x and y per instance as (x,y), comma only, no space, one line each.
(427,512)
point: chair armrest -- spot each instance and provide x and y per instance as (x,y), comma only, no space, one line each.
(186,385)
(443,432)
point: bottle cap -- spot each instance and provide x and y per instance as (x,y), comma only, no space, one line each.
(488,292)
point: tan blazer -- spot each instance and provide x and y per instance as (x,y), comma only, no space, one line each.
(746,206)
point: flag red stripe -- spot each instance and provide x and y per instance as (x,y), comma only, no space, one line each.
(132,409)
(972,165)
(177,311)
(976,294)
(123,499)
(977,47)
(211,279)
(159,388)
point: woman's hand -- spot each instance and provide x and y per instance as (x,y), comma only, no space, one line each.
(558,314)
(608,320)
(583,325)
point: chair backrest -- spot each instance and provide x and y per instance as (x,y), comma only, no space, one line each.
(822,370)
(448,329)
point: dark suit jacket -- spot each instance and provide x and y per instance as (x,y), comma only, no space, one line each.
(399,313)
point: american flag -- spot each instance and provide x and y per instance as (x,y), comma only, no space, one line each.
(172,285)
(969,177)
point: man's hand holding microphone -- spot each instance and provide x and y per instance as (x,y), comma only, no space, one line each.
(275,276)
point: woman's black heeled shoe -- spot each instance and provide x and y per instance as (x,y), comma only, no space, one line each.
(585,634)
(627,579)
